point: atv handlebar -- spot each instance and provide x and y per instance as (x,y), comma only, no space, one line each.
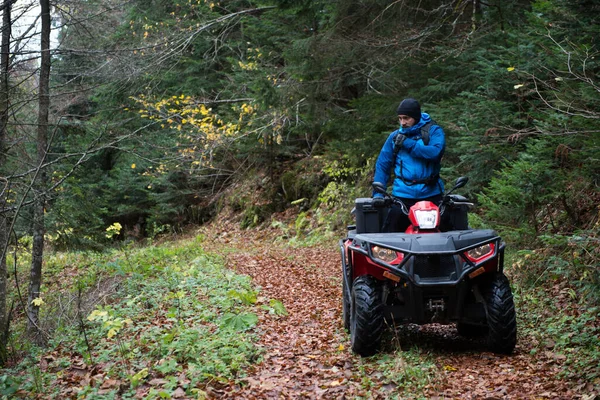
(388,199)
(447,200)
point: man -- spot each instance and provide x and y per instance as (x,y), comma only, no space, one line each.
(415,152)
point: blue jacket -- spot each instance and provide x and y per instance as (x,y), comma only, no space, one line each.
(415,162)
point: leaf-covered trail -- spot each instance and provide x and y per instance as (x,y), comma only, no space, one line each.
(307,353)
(305,350)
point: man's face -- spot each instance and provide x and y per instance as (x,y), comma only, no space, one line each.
(406,121)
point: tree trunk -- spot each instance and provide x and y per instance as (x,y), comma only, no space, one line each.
(4,234)
(40,185)
(3,287)
(476,17)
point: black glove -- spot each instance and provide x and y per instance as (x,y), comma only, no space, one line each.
(399,139)
(378,202)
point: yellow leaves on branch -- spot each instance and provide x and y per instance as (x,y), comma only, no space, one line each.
(198,127)
(183,113)
(113,230)
(38,302)
(252,64)
(248,66)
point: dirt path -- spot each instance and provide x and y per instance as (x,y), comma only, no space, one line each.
(307,353)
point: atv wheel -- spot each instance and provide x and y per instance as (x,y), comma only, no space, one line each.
(345,304)
(500,308)
(366,319)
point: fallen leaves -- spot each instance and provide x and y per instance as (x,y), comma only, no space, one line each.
(306,351)
(306,354)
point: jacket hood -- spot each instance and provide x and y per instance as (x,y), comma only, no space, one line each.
(425,118)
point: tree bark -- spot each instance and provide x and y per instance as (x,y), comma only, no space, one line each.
(37,253)
(476,17)
(4,235)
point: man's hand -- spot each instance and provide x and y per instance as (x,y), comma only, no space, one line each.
(408,144)
(400,137)
(378,202)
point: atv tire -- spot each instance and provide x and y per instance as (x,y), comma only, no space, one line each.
(366,319)
(345,304)
(501,317)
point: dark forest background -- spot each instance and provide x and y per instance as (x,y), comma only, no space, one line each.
(187,107)
(182,101)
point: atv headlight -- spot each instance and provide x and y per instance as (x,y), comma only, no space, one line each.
(383,254)
(427,219)
(481,252)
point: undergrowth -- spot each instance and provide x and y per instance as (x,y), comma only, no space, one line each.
(565,330)
(406,371)
(556,294)
(176,322)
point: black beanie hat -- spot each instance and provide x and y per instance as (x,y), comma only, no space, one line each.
(411,108)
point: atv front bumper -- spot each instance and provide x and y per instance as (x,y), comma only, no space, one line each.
(432,259)
(429,277)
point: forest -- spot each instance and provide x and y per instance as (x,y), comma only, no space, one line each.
(147,145)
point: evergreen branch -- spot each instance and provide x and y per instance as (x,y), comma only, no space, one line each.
(83,156)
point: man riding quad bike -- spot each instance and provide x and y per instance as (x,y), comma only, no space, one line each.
(435,271)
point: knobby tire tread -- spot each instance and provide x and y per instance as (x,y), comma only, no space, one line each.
(367,316)
(502,323)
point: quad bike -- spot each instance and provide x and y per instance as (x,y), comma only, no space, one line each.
(427,274)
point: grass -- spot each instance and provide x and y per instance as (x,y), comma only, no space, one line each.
(563,326)
(171,319)
(556,314)
(174,320)
(405,372)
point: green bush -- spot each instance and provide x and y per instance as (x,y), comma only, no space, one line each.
(175,305)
